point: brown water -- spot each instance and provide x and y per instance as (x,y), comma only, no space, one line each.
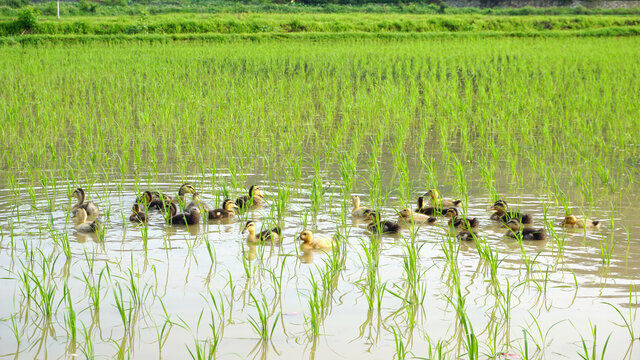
(177,269)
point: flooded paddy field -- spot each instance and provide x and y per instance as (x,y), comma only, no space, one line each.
(548,125)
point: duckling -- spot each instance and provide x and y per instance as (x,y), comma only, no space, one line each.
(309,242)
(436,201)
(503,214)
(517,230)
(459,222)
(188,218)
(138,214)
(377,226)
(407,216)
(156,200)
(90,207)
(357,210)
(196,202)
(570,221)
(85,226)
(224,213)
(265,235)
(255,198)
(428,210)
(466,235)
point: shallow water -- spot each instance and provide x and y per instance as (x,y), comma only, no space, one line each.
(562,292)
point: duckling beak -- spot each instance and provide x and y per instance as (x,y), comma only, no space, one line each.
(492,208)
(235,206)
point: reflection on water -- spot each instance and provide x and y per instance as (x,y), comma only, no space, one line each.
(178,286)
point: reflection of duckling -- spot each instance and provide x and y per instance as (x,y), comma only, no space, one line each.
(265,235)
(459,222)
(138,215)
(503,214)
(517,230)
(436,201)
(357,210)
(570,221)
(428,210)
(309,242)
(379,227)
(188,218)
(255,198)
(90,207)
(224,213)
(407,216)
(85,226)
(467,235)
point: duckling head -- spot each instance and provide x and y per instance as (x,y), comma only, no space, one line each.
(196,196)
(306,236)
(570,220)
(229,205)
(78,194)
(250,226)
(135,208)
(255,190)
(186,188)
(145,198)
(355,200)
(451,213)
(514,224)
(406,213)
(499,205)
(173,209)
(432,194)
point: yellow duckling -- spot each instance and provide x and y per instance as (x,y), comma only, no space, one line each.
(358,211)
(265,235)
(309,242)
(85,226)
(407,216)
(570,221)
(436,201)
(90,208)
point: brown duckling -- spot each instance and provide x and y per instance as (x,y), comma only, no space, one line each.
(255,198)
(138,214)
(436,201)
(196,202)
(359,211)
(382,226)
(457,221)
(467,235)
(85,226)
(571,221)
(311,242)
(265,235)
(226,212)
(90,208)
(408,217)
(427,210)
(188,218)
(502,213)
(156,200)
(518,230)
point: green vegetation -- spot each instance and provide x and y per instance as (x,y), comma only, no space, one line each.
(550,124)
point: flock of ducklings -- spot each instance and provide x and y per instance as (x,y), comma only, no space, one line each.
(430,207)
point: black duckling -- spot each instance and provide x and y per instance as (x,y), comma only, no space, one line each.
(517,230)
(571,221)
(85,226)
(89,207)
(226,212)
(188,218)
(502,213)
(255,198)
(407,216)
(428,210)
(457,221)
(466,235)
(382,226)
(436,201)
(264,235)
(311,242)
(138,214)
(359,211)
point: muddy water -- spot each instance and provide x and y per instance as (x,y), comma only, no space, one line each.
(563,292)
